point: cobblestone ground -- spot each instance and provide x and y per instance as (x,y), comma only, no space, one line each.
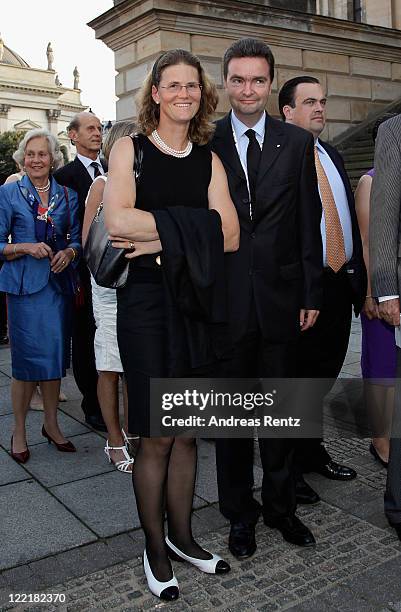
(278,577)
(355,566)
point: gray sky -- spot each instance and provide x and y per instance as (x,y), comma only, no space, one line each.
(26,27)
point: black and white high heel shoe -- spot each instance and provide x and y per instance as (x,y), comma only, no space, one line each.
(168,591)
(215,565)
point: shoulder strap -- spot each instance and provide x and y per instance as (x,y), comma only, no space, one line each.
(67,200)
(136,141)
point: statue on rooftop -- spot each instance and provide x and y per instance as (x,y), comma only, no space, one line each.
(50,56)
(76,78)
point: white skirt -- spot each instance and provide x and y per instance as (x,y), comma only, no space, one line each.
(105,312)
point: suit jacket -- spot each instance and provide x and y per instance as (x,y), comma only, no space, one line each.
(27,275)
(75,175)
(356,271)
(279,262)
(385,211)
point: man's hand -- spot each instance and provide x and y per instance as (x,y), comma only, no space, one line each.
(307,318)
(390,311)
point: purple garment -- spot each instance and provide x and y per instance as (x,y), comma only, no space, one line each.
(378,358)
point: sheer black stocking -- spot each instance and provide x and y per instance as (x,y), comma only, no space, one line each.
(149,479)
(180,493)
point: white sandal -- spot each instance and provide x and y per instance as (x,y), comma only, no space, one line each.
(125,464)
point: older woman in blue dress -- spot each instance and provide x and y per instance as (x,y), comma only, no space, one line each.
(42,219)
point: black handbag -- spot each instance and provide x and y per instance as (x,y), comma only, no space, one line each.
(108,265)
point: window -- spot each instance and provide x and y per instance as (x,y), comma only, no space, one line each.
(357,10)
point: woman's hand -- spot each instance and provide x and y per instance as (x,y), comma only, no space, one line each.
(136,249)
(61,260)
(370,308)
(38,250)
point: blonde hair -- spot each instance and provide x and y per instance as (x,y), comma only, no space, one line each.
(118,130)
(200,128)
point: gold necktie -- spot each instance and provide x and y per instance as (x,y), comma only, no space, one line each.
(335,250)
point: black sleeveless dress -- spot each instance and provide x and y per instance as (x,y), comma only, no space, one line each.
(165,181)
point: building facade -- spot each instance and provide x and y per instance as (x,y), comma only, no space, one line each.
(34,98)
(353,47)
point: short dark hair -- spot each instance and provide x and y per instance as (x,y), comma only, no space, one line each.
(248,47)
(379,121)
(74,123)
(286,94)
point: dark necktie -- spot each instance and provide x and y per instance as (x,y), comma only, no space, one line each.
(95,166)
(253,154)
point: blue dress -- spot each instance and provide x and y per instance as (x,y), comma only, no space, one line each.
(39,304)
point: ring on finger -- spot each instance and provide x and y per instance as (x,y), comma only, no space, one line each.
(132,246)
(63,262)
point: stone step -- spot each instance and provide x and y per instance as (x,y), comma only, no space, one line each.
(362,141)
(362,156)
(355,165)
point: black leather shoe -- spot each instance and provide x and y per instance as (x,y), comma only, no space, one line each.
(397,527)
(242,543)
(4,339)
(304,493)
(293,530)
(95,421)
(335,471)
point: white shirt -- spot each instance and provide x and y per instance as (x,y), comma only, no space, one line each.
(242,140)
(341,200)
(87,161)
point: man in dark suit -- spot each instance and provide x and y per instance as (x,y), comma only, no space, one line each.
(85,132)
(273,281)
(321,350)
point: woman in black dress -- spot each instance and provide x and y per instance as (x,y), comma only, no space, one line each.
(178,169)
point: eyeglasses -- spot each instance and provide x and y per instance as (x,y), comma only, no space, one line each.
(192,88)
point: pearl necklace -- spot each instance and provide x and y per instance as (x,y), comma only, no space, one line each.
(184,153)
(43,189)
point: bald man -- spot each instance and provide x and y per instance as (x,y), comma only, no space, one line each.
(85,132)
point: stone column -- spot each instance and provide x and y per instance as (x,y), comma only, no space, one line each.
(52,116)
(322,7)
(4,108)
(379,13)
(396,14)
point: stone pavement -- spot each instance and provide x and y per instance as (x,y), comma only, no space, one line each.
(68,526)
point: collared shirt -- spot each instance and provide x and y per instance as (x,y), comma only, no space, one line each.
(341,200)
(87,161)
(242,141)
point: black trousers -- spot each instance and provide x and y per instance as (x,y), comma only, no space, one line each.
(320,353)
(253,357)
(83,349)
(392,496)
